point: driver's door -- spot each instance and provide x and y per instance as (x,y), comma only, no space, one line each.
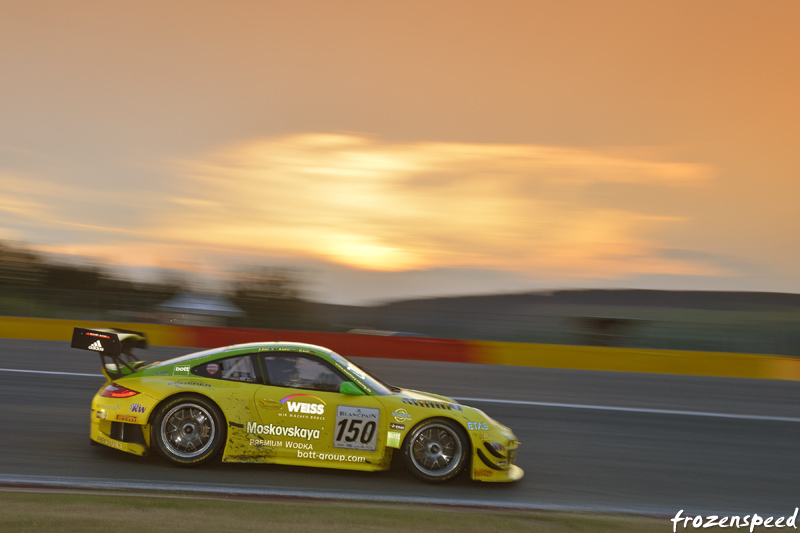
(306,420)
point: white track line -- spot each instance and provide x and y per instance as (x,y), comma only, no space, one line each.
(534,404)
(224,491)
(52,373)
(636,410)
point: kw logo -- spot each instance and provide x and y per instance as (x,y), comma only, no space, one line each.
(303,407)
(138,408)
(96,346)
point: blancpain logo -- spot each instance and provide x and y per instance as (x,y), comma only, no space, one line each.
(96,346)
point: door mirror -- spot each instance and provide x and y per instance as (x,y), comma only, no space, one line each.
(348,387)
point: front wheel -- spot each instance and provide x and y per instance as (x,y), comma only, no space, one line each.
(436,450)
(188,430)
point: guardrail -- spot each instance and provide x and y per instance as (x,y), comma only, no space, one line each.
(717,364)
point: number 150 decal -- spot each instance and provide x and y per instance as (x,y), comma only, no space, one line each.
(356,428)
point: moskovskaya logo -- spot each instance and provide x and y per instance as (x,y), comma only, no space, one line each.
(96,346)
(283,431)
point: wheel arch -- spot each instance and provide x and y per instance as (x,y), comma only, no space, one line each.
(459,423)
(188,394)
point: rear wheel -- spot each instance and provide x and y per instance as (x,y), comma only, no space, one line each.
(436,450)
(188,430)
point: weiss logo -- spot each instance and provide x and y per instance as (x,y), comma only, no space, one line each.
(96,346)
(306,408)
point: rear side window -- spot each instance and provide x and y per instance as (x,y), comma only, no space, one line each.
(231,369)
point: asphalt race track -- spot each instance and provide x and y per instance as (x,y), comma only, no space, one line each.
(590,440)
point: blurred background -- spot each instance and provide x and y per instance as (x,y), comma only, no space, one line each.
(275,298)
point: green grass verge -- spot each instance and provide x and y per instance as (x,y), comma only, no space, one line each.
(126,512)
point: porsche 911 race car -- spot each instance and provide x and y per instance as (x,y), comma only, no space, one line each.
(285,403)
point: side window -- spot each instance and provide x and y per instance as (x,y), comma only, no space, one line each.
(300,373)
(231,369)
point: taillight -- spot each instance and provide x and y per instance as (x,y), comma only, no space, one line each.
(117,391)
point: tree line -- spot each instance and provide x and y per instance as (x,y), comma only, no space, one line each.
(35,284)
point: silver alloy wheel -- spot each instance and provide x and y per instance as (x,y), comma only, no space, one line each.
(187,430)
(436,450)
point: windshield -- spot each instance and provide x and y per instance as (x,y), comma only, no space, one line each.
(376,385)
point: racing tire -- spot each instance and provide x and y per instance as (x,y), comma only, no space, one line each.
(436,450)
(188,430)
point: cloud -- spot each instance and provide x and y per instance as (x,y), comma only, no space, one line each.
(18,197)
(357,201)
(42,208)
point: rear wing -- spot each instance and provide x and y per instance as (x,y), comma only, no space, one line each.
(113,344)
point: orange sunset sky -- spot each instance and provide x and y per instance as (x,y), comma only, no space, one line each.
(405,149)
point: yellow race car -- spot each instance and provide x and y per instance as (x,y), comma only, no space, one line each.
(285,403)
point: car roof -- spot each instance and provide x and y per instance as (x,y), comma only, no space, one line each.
(254,347)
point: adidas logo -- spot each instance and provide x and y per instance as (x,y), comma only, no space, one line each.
(96,346)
